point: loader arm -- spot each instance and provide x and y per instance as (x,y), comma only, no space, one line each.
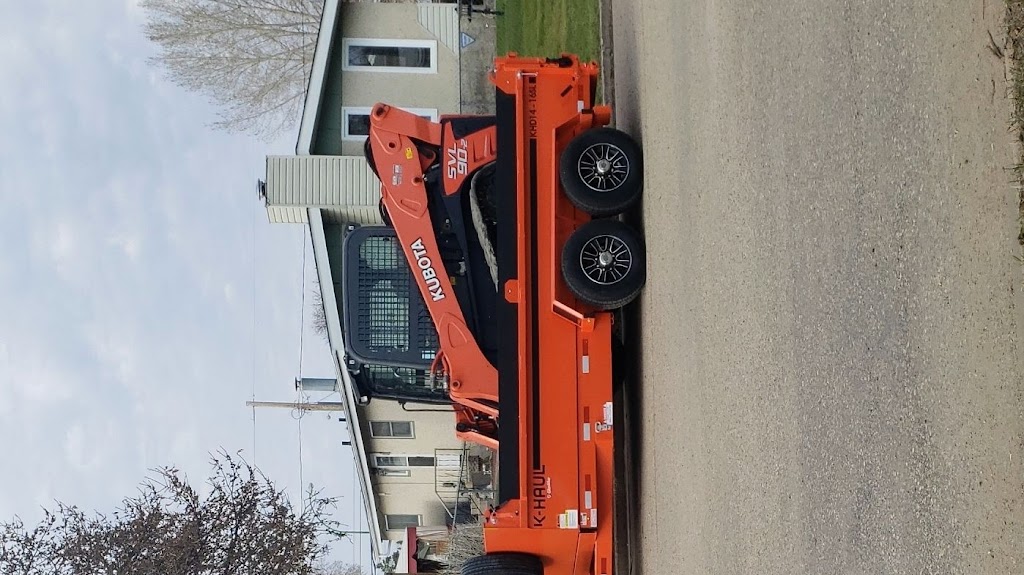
(402,146)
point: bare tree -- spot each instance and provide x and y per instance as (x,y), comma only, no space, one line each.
(340,568)
(319,312)
(243,526)
(464,541)
(251,57)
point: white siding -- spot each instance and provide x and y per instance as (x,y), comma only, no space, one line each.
(287,214)
(442,20)
(344,186)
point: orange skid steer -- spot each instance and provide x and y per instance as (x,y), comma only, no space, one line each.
(508,225)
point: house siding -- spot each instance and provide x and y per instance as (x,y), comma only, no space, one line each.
(416,493)
(433,429)
(438,91)
(344,196)
(441,20)
(344,185)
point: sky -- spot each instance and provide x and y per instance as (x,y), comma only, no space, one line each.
(144,297)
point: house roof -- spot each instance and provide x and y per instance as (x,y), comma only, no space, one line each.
(337,343)
(329,23)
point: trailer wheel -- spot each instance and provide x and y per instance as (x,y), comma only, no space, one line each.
(503,564)
(601,171)
(604,263)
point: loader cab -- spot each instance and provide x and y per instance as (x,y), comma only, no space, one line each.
(390,341)
(460,205)
(390,337)
(395,383)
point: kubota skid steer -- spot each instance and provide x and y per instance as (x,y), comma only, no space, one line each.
(508,225)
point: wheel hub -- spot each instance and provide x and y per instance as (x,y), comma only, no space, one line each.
(606,259)
(603,167)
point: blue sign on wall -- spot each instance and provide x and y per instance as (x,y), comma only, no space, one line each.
(466,40)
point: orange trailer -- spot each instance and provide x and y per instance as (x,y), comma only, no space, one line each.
(525,350)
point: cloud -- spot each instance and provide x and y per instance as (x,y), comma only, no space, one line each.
(28,376)
(131,246)
(90,445)
(229,293)
(7,400)
(126,291)
(115,351)
(133,11)
(63,246)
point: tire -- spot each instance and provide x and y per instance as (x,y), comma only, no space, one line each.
(503,564)
(602,195)
(613,284)
(488,200)
(368,154)
(384,215)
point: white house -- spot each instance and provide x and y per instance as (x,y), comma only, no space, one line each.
(413,474)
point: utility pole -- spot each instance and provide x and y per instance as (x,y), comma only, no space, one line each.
(316,406)
(307,384)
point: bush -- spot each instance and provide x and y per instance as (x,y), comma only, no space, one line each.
(465,540)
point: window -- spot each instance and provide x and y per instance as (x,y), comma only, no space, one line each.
(355,121)
(402,461)
(401,429)
(403,382)
(401,521)
(389,313)
(390,55)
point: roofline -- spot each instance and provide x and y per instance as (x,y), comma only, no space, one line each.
(303,147)
(318,70)
(337,343)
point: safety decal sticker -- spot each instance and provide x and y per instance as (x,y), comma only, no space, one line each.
(569,520)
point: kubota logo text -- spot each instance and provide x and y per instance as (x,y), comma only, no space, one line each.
(427,270)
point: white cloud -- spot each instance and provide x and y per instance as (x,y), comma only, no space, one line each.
(229,293)
(130,246)
(28,375)
(17,59)
(123,342)
(6,390)
(90,445)
(133,11)
(63,245)
(115,351)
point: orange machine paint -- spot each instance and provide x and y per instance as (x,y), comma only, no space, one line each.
(564,511)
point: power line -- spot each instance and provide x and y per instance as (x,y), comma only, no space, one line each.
(302,308)
(302,485)
(252,335)
(300,399)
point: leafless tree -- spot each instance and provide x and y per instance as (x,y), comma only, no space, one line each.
(251,57)
(319,312)
(340,568)
(244,525)
(464,541)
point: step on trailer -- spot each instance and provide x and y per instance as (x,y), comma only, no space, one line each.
(518,262)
